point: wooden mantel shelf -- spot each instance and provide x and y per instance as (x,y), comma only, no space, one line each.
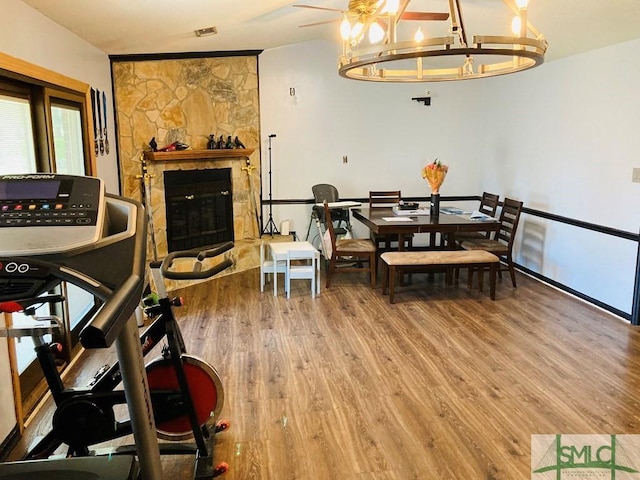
(228,153)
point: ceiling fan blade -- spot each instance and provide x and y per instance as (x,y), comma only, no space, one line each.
(318,8)
(319,23)
(424,16)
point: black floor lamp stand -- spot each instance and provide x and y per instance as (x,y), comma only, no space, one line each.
(270,227)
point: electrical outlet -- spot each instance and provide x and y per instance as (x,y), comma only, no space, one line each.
(636,175)
(345,160)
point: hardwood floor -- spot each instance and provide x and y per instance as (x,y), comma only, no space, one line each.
(443,384)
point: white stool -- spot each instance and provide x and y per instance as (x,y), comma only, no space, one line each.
(309,270)
(268,267)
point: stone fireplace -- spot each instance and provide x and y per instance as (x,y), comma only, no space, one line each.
(187,100)
(246,234)
(235,162)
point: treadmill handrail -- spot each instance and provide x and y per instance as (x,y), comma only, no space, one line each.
(105,325)
(120,298)
(196,273)
(102,330)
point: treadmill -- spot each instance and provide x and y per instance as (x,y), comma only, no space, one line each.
(57,228)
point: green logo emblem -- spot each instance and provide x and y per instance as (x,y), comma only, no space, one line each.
(584,456)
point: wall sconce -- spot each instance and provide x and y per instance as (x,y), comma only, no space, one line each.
(425,100)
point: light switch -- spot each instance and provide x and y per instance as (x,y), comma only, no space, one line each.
(636,175)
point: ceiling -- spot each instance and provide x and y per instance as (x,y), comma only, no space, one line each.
(167,26)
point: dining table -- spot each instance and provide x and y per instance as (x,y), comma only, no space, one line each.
(384,221)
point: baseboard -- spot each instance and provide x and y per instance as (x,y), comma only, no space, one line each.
(9,443)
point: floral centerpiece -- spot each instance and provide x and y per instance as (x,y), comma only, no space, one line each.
(434,173)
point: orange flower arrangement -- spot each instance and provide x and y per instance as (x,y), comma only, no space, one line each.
(434,173)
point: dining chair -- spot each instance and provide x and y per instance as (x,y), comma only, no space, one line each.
(347,251)
(306,266)
(488,206)
(501,244)
(268,267)
(387,199)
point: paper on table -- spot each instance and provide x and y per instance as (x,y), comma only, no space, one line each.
(476,215)
(397,219)
(451,211)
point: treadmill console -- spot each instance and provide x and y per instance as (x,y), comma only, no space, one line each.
(49,213)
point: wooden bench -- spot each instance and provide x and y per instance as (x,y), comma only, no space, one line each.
(395,262)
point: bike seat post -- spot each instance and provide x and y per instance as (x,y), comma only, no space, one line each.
(158,279)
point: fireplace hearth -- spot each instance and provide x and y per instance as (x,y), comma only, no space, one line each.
(199,207)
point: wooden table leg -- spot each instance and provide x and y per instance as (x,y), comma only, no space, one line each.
(492,281)
(401,249)
(385,277)
(392,281)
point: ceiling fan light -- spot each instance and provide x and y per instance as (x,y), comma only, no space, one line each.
(522,3)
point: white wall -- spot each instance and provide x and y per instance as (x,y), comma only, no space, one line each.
(30,36)
(387,136)
(562,138)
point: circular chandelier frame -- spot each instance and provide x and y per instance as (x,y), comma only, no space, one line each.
(384,62)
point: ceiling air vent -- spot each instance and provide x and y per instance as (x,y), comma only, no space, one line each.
(203,32)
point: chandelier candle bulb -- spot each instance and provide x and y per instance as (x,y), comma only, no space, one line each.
(419,37)
(345,33)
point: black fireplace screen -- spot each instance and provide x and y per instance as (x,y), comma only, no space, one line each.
(199,207)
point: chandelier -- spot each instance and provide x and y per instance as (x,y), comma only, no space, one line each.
(388,58)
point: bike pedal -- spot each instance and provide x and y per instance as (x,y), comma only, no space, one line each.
(222,425)
(220,469)
(56,349)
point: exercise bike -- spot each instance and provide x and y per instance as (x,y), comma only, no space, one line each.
(186,393)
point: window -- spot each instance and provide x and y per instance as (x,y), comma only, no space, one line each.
(44,128)
(16,135)
(67,139)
